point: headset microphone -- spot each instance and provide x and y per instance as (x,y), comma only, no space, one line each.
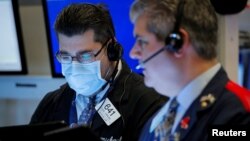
(173,41)
(140,66)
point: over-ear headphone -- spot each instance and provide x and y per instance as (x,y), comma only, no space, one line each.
(114,49)
(174,40)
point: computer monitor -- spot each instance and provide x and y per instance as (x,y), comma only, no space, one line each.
(119,11)
(68,133)
(12,57)
(29,131)
(244,66)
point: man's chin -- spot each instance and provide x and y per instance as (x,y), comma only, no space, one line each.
(148,83)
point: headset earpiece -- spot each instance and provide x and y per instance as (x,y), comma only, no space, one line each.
(114,51)
(174,41)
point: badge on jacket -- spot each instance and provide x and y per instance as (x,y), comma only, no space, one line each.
(107,111)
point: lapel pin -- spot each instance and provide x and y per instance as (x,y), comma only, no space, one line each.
(207,100)
(185,122)
(176,136)
(204,104)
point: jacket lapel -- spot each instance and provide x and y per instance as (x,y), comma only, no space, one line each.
(66,96)
(114,95)
(203,103)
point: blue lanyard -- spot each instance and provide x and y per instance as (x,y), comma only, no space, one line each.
(73,113)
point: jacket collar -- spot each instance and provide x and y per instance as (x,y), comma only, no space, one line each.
(115,95)
(65,97)
(205,101)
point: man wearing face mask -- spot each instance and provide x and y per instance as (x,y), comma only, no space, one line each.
(101,92)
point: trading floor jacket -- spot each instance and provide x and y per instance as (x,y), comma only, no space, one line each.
(135,102)
(221,103)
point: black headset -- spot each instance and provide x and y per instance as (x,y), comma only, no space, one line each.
(114,49)
(174,40)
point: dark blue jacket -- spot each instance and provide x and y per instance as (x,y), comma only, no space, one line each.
(231,107)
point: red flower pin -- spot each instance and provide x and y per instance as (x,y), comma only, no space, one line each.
(185,122)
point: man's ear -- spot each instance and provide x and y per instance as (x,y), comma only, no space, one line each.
(185,42)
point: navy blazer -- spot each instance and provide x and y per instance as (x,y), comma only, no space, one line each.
(231,106)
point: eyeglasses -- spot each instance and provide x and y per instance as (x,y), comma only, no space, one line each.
(82,57)
(141,42)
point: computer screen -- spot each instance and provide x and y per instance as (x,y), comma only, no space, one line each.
(29,131)
(12,58)
(119,11)
(244,66)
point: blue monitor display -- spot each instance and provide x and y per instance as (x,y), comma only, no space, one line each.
(244,66)
(119,11)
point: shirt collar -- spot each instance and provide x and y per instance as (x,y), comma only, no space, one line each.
(82,100)
(186,96)
(99,96)
(194,88)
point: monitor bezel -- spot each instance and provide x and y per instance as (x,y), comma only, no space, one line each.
(16,14)
(48,34)
(120,32)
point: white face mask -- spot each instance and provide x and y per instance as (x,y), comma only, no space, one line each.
(85,79)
